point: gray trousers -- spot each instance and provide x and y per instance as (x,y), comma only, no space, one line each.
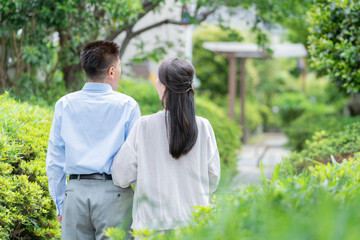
(91,206)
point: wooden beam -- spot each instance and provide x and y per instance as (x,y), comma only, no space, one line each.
(232,85)
(242,96)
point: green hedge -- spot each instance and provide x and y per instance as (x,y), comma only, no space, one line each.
(304,127)
(301,117)
(26,209)
(293,105)
(256,114)
(328,146)
(227,132)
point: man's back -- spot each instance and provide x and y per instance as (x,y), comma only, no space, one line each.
(94,123)
(88,129)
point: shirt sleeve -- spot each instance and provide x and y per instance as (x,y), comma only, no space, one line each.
(124,167)
(214,172)
(134,116)
(214,162)
(55,161)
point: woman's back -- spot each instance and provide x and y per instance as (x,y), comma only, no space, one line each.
(167,188)
(171,154)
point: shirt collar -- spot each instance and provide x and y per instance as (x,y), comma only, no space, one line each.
(96,86)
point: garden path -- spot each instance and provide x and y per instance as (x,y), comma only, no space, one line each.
(269,151)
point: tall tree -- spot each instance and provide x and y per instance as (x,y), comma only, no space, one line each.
(24,43)
(29,28)
(110,18)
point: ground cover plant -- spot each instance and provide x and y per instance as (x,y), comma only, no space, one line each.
(328,146)
(321,203)
(304,127)
(321,107)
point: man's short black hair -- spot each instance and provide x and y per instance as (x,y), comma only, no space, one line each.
(97,57)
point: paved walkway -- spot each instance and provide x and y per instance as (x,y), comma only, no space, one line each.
(269,151)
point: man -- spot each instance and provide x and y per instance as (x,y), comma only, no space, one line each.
(88,129)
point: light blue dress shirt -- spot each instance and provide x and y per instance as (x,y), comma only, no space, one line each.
(88,129)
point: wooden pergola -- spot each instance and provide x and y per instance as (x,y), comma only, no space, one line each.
(242,51)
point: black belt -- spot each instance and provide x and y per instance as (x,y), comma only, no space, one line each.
(94,176)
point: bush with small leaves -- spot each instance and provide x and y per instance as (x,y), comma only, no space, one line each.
(334,41)
(327,146)
(26,209)
(322,203)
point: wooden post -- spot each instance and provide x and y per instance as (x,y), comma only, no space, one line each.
(303,76)
(303,72)
(232,85)
(242,97)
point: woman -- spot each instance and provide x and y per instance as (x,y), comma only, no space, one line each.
(172,155)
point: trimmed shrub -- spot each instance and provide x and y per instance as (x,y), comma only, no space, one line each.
(301,118)
(270,121)
(328,147)
(304,127)
(291,106)
(253,117)
(26,209)
(39,93)
(256,114)
(144,93)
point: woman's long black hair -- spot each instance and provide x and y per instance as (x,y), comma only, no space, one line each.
(178,100)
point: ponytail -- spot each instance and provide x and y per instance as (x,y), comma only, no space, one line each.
(178,100)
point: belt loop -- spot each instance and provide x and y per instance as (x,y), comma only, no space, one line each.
(78,177)
(104,177)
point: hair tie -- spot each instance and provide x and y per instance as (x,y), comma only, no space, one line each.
(182,92)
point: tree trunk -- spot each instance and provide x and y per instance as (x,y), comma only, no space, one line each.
(72,76)
(3,64)
(126,41)
(17,56)
(72,73)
